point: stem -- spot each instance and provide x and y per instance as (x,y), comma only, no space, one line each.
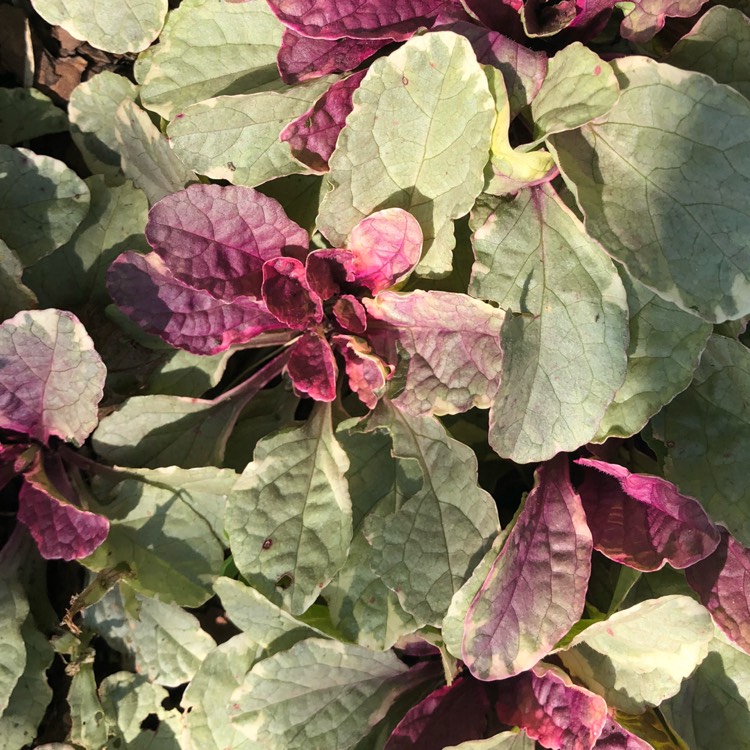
(87,464)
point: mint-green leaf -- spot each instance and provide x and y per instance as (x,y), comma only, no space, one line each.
(516,740)
(718,45)
(27,114)
(418,138)
(564,346)
(289,520)
(13,611)
(711,709)
(92,108)
(664,183)
(579,87)
(14,294)
(207,49)
(664,350)
(638,657)
(125,26)
(168,546)
(318,694)
(74,273)
(186,374)
(707,433)
(42,201)
(236,138)
(146,156)
(427,548)
(88,726)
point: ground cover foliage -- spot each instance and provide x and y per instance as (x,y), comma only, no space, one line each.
(374,375)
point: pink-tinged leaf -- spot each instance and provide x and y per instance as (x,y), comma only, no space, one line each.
(451,343)
(592,17)
(216,238)
(722,581)
(287,294)
(350,314)
(499,15)
(312,367)
(186,318)
(615,737)
(386,247)
(536,588)
(13,461)
(51,377)
(312,136)
(366,372)
(648,17)
(61,530)
(302,58)
(643,521)
(358,19)
(551,709)
(449,715)
(329,271)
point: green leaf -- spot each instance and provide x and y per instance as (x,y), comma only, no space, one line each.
(579,87)
(168,546)
(31,695)
(360,604)
(300,195)
(318,694)
(207,49)
(718,45)
(41,203)
(92,108)
(14,294)
(418,138)
(236,138)
(515,740)
(13,612)
(710,711)
(427,548)
(186,374)
(664,180)
(74,273)
(664,350)
(27,114)
(620,658)
(88,726)
(289,519)
(126,26)
(146,155)
(564,349)
(707,433)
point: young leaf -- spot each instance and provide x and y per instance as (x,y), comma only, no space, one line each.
(88,725)
(643,521)
(616,737)
(536,589)
(207,49)
(290,550)
(621,659)
(564,349)
(452,348)
(417,139)
(51,378)
(721,583)
(700,130)
(647,17)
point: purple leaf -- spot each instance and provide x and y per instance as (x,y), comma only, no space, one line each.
(363,19)
(350,314)
(312,136)
(722,581)
(312,367)
(386,246)
(328,271)
(648,17)
(60,529)
(186,318)
(51,377)
(217,238)
(449,715)
(616,737)
(499,15)
(452,343)
(288,295)
(551,709)
(302,58)
(643,521)
(12,461)
(536,588)
(366,372)
(546,19)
